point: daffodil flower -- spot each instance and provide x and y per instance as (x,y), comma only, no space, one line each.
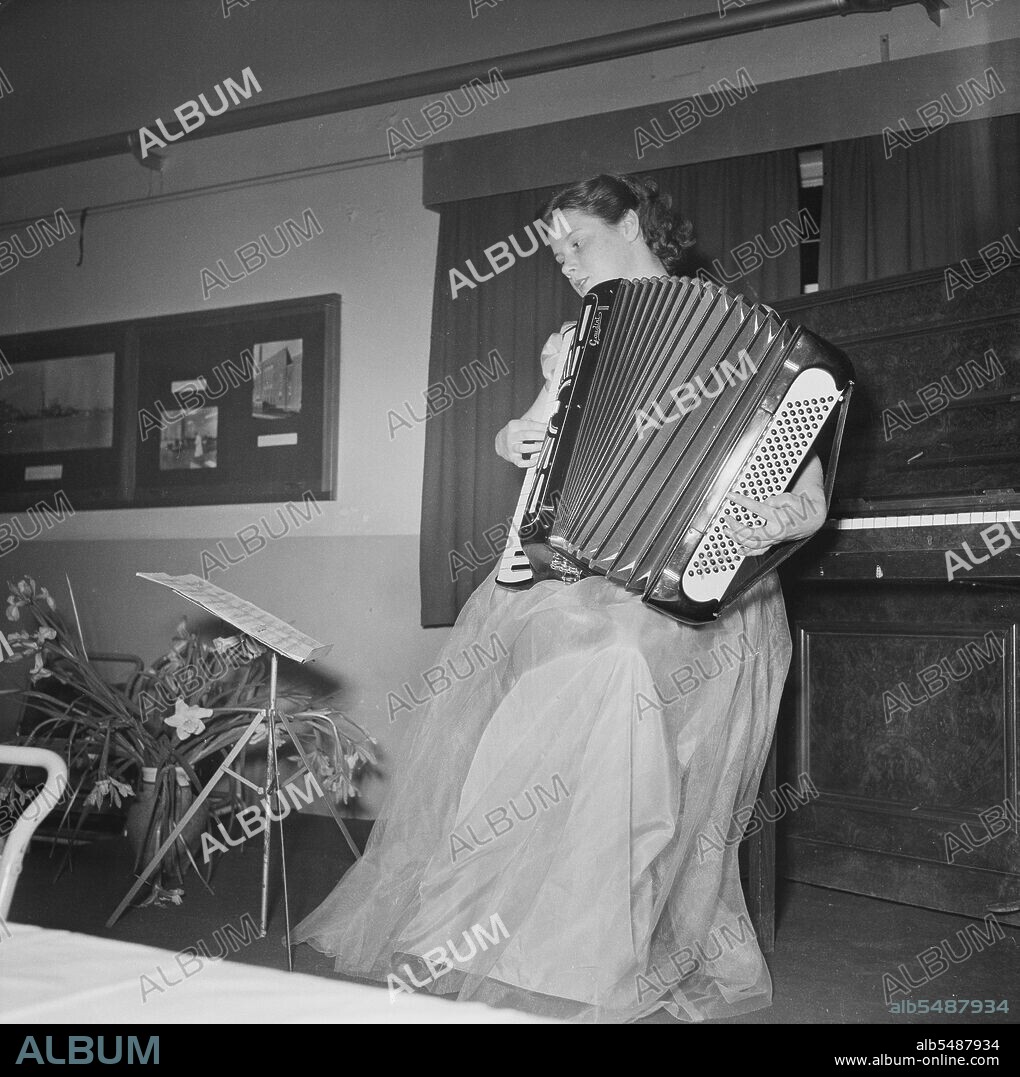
(187,720)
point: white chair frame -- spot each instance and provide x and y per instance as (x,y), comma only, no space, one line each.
(36,810)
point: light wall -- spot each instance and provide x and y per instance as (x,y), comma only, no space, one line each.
(349,576)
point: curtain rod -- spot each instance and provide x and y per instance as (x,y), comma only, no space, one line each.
(217,188)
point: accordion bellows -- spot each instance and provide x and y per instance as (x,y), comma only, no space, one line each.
(674,393)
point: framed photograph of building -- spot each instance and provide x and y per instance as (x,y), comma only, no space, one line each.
(276,387)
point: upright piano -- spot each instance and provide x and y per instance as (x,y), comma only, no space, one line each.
(901,706)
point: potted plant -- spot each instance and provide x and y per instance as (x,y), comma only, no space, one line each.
(159,737)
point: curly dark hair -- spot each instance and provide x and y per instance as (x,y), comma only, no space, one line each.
(609,196)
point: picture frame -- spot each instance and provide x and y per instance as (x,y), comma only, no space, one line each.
(62,395)
(229,406)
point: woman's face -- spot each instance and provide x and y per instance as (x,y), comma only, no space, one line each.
(594,251)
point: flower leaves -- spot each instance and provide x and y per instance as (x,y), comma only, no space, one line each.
(191,704)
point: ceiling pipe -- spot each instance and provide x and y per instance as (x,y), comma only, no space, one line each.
(666,35)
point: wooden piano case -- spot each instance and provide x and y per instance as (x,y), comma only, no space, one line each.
(902,699)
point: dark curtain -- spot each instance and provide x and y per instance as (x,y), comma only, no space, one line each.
(745,213)
(929,204)
(468,490)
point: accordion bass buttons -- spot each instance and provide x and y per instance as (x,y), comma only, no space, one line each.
(769,470)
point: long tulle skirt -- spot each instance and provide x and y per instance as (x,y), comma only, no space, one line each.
(561,833)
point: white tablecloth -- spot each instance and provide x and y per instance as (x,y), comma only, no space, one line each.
(61,976)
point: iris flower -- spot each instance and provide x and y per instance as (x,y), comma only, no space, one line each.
(39,670)
(108,787)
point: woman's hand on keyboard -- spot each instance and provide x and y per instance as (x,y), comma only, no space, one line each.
(520,440)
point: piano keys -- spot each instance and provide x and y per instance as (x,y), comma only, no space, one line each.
(941,547)
(938,519)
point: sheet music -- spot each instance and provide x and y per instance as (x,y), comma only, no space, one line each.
(270,631)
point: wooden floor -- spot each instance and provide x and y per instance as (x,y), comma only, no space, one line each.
(832,948)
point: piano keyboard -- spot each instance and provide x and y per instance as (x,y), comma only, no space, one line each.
(913,548)
(943,519)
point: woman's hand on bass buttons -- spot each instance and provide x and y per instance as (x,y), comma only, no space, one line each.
(783,518)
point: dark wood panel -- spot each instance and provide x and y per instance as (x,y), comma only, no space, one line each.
(896,780)
(929,885)
(879,730)
(936,404)
(895,308)
(901,704)
(760,889)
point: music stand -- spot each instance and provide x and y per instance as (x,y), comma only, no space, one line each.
(279,638)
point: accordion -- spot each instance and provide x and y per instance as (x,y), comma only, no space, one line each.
(673,394)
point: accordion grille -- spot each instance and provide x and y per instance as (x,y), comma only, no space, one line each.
(670,377)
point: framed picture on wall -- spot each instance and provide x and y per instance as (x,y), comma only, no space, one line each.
(238,405)
(61,393)
(216,407)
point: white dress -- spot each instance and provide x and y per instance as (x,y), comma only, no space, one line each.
(552,839)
